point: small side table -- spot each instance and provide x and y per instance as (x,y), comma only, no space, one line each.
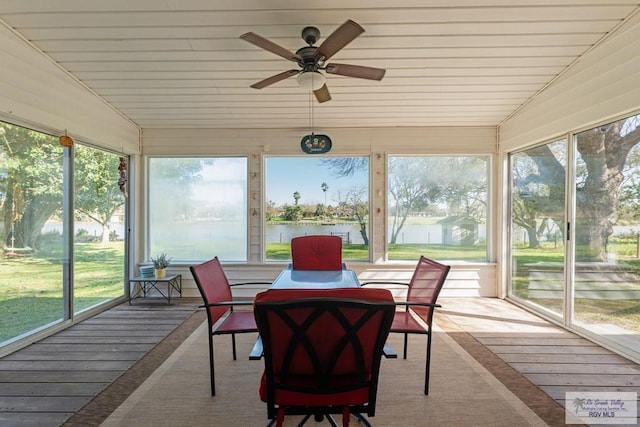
(144,284)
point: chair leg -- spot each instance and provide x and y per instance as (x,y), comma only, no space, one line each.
(280,417)
(406,337)
(211,370)
(362,419)
(233,345)
(428,363)
(304,420)
(346,415)
(331,420)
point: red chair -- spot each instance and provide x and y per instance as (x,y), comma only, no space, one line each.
(322,351)
(218,300)
(422,293)
(319,252)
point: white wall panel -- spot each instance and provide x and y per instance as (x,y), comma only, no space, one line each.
(464,280)
(603,84)
(33,90)
(425,140)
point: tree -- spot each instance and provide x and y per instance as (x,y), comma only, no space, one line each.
(603,153)
(532,199)
(629,202)
(31,182)
(270,210)
(324,186)
(410,188)
(97,194)
(346,166)
(292,213)
(353,202)
(296,197)
(464,190)
(173,180)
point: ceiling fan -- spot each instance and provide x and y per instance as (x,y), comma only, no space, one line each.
(311,59)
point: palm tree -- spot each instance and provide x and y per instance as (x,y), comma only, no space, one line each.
(296,197)
(324,188)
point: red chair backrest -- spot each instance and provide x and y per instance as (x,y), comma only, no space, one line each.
(323,342)
(425,286)
(319,252)
(214,287)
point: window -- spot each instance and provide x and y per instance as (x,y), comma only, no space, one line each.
(317,195)
(437,207)
(197,208)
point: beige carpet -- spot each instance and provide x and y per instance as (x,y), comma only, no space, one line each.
(462,392)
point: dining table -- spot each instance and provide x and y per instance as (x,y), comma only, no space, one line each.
(315,279)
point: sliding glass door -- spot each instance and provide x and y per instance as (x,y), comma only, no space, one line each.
(579,260)
(99,227)
(63,245)
(31,265)
(538,226)
(607,232)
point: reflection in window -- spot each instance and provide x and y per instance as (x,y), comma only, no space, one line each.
(317,195)
(198,208)
(437,207)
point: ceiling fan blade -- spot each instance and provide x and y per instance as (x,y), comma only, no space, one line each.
(265,44)
(322,94)
(358,71)
(274,79)
(338,39)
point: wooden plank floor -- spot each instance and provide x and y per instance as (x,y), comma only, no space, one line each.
(47,382)
(552,358)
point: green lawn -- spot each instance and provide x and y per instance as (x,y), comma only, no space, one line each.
(31,292)
(624,313)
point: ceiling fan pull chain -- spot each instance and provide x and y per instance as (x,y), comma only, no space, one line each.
(311,113)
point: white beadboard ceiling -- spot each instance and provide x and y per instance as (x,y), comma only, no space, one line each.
(180,63)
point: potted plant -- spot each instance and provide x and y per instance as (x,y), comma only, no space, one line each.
(160,264)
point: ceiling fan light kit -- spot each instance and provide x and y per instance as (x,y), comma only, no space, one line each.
(311,59)
(311,80)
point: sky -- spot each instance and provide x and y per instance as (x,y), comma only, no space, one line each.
(286,175)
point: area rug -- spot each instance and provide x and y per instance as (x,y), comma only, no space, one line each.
(462,391)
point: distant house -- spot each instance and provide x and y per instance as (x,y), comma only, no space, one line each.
(459,230)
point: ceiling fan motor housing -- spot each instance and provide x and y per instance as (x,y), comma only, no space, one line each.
(308,62)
